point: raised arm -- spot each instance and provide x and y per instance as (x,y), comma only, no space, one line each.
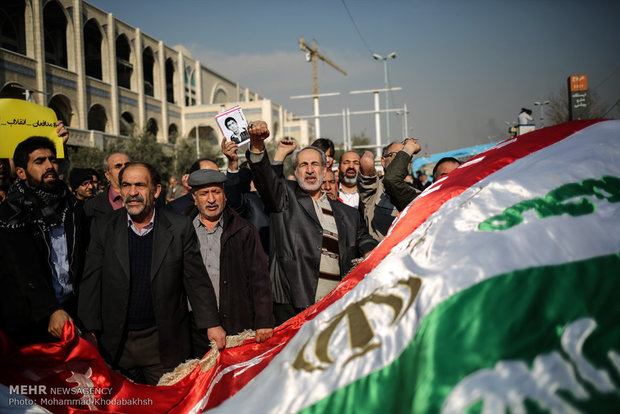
(283,150)
(268,184)
(232,188)
(401,193)
(367,179)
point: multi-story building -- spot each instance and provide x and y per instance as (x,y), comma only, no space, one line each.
(106,79)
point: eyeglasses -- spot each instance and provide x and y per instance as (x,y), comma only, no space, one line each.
(391,154)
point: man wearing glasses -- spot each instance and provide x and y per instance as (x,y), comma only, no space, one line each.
(379,211)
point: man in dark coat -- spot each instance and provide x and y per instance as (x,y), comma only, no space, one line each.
(141,267)
(41,247)
(378,209)
(313,238)
(232,253)
(401,192)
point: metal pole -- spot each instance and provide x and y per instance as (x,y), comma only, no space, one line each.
(197,142)
(344,127)
(377,124)
(406,122)
(349,145)
(317,121)
(387,104)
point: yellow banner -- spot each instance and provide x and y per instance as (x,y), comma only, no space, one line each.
(20,120)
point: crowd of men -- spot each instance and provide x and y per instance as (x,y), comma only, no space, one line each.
(153,277)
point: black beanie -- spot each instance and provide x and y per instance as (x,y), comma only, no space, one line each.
(78,176)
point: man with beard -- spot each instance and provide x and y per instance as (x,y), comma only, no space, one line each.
(348,168)
(313,238)
(41,252)
(142,266)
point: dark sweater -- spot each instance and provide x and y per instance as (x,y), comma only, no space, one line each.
(140,314)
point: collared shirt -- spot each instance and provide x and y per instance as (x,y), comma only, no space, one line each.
(350,199)
(210,247)
(115,199)
(144,230)
(59,255)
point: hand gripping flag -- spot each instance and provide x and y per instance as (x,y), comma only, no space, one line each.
(495,290)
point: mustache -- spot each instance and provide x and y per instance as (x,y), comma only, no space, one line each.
(350,169)
(138,198)
(50,173)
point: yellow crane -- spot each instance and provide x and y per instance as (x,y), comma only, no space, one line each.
(313,55)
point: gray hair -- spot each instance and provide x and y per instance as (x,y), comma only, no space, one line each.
(105,160)
(317,149)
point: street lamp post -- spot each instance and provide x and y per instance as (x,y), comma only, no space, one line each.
(542,111)
(387,86)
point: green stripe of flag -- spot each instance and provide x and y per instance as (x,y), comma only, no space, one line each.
(516,320)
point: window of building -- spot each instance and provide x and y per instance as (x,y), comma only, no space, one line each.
(55,29)
(151,127)
(62,107)
(148,61)
(12,26)
(173,133)
(190,86)
(92,49)
(170,80)
(127,124)
(124,68)
(97,118)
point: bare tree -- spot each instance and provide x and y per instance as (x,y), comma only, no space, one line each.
(558,107)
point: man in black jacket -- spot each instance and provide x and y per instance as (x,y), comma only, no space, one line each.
(232,253)
(141,267)
(313,238)
(41,247)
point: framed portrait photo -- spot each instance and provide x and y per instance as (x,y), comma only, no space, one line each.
(233,125)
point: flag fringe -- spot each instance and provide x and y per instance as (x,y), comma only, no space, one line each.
(207,362)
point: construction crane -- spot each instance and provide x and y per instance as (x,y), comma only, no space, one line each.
(313,55)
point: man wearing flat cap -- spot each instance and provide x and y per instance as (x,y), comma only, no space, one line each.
(232,253)
(142,266)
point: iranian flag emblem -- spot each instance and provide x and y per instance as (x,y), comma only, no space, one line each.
(497,290)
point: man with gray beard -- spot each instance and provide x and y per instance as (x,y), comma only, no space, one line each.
(312,237)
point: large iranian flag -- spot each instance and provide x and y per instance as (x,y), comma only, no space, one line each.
(498,289)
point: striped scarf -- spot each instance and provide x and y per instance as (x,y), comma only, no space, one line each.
(329,271)
(31,205)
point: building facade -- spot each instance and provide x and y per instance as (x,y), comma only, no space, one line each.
(106,79)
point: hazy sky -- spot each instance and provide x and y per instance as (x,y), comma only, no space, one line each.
(466,67)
